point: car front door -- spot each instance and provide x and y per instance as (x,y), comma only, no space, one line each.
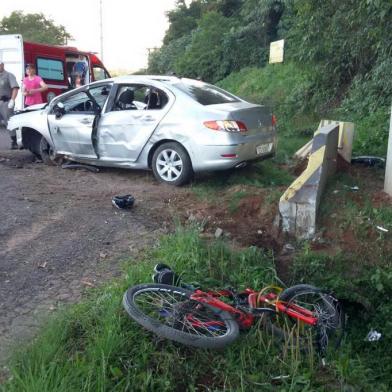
(126,127)
(71,121)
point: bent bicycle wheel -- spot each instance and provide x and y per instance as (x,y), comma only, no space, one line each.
(329,329)
(169,312)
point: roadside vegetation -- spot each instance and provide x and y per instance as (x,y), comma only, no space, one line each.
(94,346)
(337,60)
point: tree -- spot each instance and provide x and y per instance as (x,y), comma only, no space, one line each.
(204,56)
(182,19)
(34,27)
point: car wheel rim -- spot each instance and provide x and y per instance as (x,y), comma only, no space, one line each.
(169,165)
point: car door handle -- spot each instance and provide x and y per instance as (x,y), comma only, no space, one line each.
(149,118)
(86,121)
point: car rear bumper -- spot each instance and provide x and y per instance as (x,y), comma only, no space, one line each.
(228,157)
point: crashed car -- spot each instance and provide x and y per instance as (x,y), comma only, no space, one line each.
(174,126)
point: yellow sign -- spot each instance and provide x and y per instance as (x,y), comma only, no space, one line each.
(276,51)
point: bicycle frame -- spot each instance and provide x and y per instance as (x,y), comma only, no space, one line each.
(255,300)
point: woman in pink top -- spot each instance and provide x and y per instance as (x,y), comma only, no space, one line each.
(33,85)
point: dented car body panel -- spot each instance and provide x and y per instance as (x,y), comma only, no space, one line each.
(120,122)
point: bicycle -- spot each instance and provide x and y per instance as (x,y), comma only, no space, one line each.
(212,319)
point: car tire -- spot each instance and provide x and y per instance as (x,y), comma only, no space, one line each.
(171,164)
(47,154)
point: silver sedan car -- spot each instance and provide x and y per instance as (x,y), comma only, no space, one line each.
(174,126)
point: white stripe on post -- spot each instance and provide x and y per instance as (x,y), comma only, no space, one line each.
(388,170)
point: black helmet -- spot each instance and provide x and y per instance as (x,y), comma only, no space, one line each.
(164,274)
(126,201)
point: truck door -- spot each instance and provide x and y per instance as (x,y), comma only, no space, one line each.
(11,53)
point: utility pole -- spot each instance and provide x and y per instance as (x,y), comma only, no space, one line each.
(388,170)
(100,26)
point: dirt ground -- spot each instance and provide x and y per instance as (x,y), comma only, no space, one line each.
(60,235)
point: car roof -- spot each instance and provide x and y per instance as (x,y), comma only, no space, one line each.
(158,78)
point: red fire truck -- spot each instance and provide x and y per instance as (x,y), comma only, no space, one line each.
(55,64)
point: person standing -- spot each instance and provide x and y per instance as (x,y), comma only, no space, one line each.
(33,86)
(8,91)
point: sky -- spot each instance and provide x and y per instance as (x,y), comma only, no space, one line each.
(129,26)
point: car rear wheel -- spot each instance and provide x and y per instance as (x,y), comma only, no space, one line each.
(171,164)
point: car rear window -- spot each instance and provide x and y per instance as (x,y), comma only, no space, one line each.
(204,93)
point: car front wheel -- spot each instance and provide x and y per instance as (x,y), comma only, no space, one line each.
(171,164)
(47,154)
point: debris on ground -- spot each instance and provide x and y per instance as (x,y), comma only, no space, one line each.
(93,169)
(288,248)
(279,379)
(121,202)
(352,188)
(373,336)
(87,283)
(369,160)
(218,232)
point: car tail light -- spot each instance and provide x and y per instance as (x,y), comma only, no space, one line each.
(274,121)
(226,125)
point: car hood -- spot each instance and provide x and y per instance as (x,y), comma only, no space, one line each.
(31,108)
(25,118)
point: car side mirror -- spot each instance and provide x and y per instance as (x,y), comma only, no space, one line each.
(59,110)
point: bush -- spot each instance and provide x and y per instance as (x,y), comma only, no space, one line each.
(283,87)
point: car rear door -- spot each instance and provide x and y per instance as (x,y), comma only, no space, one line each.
(124,130)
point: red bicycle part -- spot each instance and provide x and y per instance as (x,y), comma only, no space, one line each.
(297,312)
(245,320)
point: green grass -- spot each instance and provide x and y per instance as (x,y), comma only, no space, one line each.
(270,174)
(279,86)
(355,213)
(93,346)
(288,90)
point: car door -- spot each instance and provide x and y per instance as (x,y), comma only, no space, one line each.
(126,127)
(72,132)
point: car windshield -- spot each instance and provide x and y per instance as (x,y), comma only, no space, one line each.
(204,93)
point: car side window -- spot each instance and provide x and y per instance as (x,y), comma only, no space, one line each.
(100,94)
(79,102)
(139,97)
(82,102)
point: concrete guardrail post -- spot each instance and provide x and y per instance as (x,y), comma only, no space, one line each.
(299,204)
